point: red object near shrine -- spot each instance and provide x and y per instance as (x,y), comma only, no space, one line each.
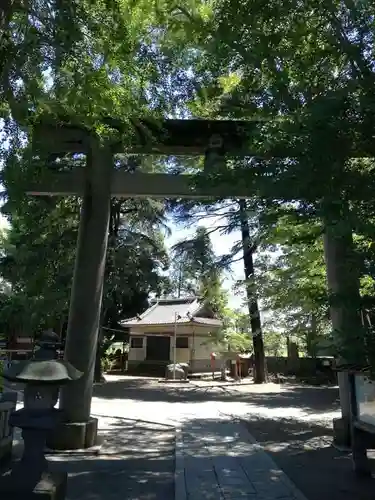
(213,359)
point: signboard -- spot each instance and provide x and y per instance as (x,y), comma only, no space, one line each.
(365,392)
(24,340)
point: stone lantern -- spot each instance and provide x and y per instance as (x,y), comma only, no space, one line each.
(42,376)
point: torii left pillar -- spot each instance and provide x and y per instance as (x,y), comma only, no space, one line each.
(79,430)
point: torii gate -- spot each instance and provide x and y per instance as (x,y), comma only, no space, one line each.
(97,183)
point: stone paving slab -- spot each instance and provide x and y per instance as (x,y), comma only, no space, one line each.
(220,460)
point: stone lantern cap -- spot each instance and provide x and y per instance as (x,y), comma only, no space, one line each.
(49,338)
(42,372)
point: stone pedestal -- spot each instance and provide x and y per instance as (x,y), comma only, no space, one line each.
(74,436)
(51,486)
(341,432)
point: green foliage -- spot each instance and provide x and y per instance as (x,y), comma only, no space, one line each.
(39,253)
(304,69)
(235,335)
(292,282)
(294,278)
(198,270)
(237,332)
(86,61)
(274,342)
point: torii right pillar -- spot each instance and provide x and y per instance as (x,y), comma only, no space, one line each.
(344,297)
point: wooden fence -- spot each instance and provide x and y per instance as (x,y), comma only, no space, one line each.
(301,367)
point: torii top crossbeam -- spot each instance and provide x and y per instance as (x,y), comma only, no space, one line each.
(160,137)
(166,137)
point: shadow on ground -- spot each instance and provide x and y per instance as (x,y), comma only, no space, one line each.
(307,398)
(136,463)
(304,452)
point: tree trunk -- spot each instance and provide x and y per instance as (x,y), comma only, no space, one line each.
(223,370)
(344,298)
(343,290)
(256,326)
(311,337)
(7,10)
(98,375)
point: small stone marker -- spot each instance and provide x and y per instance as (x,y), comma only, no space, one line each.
(177,372)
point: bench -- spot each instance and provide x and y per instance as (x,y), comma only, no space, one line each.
(8,403)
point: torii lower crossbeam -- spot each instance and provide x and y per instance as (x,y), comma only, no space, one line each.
(136,185)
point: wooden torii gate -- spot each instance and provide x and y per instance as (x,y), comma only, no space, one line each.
(96,184)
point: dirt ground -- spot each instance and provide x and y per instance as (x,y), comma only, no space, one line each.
(303,449)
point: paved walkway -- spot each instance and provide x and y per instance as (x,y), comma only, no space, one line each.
(217,460)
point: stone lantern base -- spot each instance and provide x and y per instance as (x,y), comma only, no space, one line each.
(341,433)
(52,486)
(74,436)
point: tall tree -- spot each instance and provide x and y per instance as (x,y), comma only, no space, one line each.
(39,258)
(200,269)
(306,71)
(231,215)
(248,248)
(86,61)
(292,283)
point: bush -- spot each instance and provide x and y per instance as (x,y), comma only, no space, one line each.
(106,364)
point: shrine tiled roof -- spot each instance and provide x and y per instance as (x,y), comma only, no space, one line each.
(185,310)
